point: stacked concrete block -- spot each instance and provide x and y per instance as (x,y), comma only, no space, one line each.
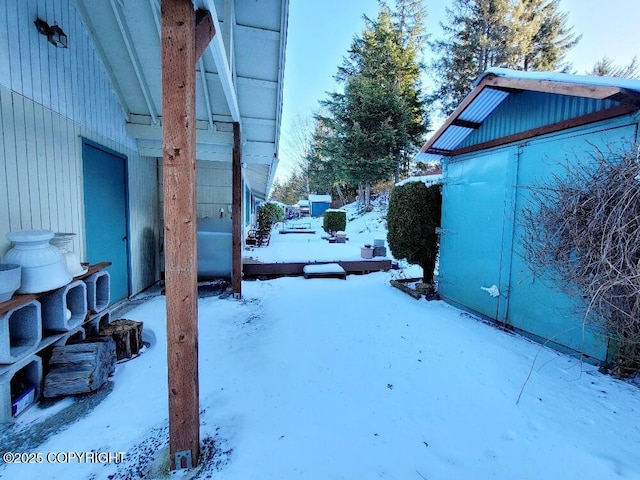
(98,321)
(76,335)
(65,309)
(20,332)
(20,386)
(98,291)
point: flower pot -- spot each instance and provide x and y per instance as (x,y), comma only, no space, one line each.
(366,252)
(43,266)
(10,278)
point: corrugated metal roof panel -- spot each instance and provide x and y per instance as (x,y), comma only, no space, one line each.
(528,110)
(483,105)
(451,137)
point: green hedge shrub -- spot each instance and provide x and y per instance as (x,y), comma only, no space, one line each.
(412,218)
(268,214)
(334,221)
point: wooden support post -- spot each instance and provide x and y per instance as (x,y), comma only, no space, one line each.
(179,178)
(236,209)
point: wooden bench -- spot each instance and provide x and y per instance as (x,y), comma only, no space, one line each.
(324,270)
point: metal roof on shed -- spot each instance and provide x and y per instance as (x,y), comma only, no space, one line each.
(496,85)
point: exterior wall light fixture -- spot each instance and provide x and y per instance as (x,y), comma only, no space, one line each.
(54,33)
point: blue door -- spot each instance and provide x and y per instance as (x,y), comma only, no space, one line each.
(106,214)
(471,243)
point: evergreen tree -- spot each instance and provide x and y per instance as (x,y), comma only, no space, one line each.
(479,34)
(380,112)
(606,68)
(289,191)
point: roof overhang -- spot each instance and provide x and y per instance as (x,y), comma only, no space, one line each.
(495,85)
(239,77)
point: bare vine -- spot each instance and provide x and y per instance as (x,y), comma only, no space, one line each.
(583,227)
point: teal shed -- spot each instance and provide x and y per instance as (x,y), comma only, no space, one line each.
(514,131)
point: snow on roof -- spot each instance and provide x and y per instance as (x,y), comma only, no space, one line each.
(562,77)
(428,180)
(496,84)
(320,198)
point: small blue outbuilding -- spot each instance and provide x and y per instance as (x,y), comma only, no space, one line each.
(513,132)
(318,204)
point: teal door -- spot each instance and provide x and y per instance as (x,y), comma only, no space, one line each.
(106,214)
(473,225)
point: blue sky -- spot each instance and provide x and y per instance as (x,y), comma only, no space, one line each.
(320,33)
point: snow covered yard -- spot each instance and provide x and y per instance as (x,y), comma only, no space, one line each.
(334,379)
(327,379)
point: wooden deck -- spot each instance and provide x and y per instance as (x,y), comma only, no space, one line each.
(254,269)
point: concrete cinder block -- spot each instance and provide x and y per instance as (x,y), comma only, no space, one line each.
(98,291)
(19,378)
(20,332)
(98,321)
(65,308)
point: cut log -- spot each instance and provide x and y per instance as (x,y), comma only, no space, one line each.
(401,286)
(127,335)
(79,368)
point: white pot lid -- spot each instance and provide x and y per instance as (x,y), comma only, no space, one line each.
(30,236)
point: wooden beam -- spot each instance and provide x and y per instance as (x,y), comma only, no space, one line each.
(236,213)
(119,15)
(205,31)
(550,86)
(466,124)
(546,129)
(219,53)
(179,179)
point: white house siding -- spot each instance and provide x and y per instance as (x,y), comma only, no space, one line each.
(213,189)
(50,98)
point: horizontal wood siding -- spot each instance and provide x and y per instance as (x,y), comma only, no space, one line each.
(51,98)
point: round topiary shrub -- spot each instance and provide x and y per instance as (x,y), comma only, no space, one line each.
(413,216)
(334,220)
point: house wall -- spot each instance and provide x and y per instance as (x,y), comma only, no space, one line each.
(484,195)
(213,189)
(50,98)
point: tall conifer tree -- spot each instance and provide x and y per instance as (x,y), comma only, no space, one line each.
(479,34)
(380,111)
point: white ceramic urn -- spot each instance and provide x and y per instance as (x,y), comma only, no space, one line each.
(43,266)
(10,279)
(62,241)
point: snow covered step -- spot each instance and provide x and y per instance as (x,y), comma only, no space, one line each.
(324,270)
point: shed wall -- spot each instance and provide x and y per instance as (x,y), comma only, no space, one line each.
(484,195)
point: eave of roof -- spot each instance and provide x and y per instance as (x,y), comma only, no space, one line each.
(496,84)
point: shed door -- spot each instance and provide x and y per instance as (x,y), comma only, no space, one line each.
(473,227)
(105,210)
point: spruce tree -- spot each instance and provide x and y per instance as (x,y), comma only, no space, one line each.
(479,34)
(379,112)
(606,68)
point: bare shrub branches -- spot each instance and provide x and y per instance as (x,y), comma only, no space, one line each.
(583,227)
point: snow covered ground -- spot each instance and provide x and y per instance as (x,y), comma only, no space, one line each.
(334,379)
(305,247)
